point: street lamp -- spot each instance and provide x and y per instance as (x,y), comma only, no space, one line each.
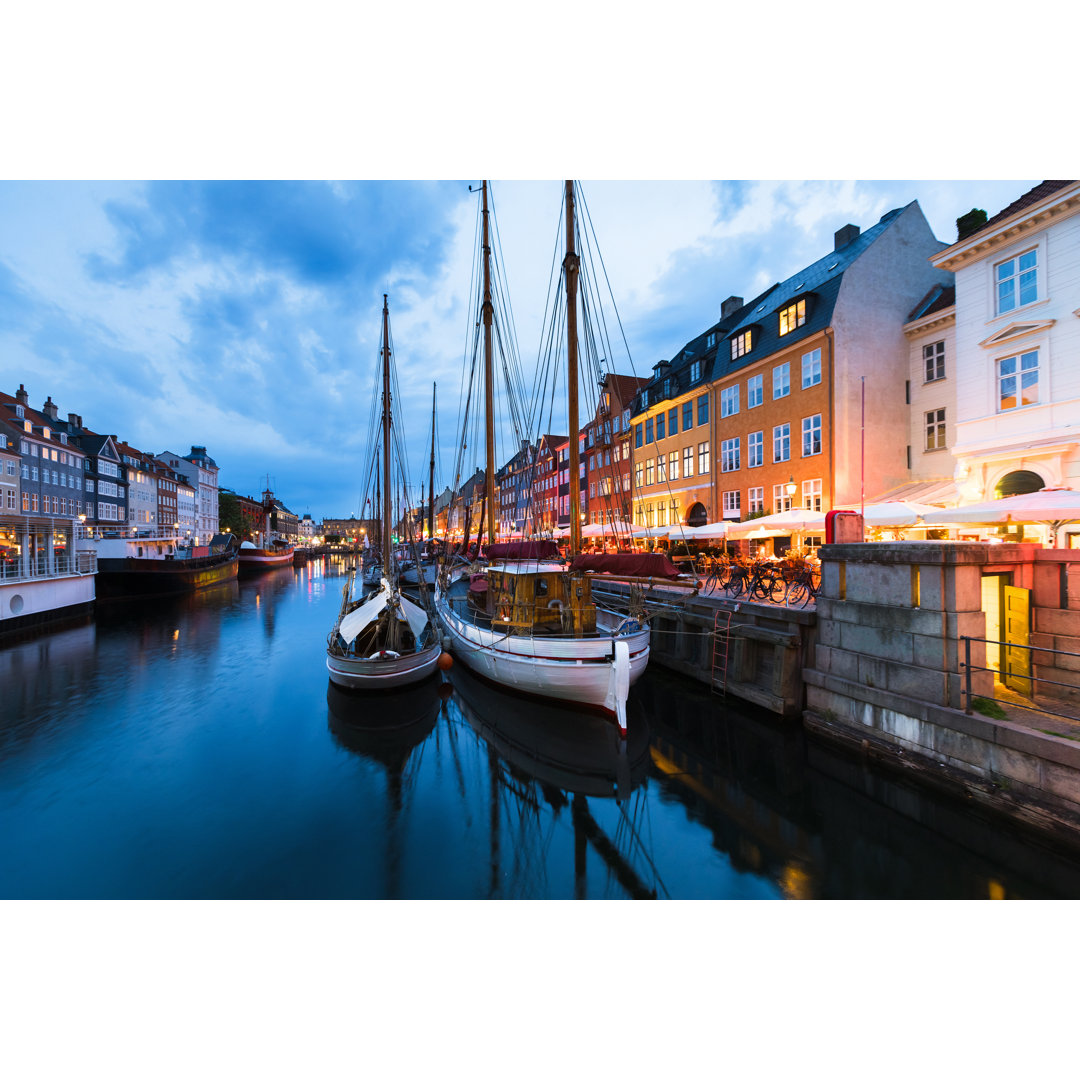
(791,487)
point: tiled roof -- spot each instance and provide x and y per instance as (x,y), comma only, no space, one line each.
(1029,198)
(937,299)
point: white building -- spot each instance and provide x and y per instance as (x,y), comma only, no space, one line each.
(1017,352)
(202,472)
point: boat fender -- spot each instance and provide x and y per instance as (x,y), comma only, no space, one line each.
(387,654)
(556,603)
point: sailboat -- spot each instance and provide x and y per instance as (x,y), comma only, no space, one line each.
(427,567)
(382,639)
(525,621)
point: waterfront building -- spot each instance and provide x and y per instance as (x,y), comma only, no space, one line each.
(514,484)
(142,489)
(606,455)
(1017,353)
(931,333)
(550,496)
(201,471)
(353,529)
(306,529)
(186,518)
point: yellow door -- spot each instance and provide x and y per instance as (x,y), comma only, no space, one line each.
(1017,620)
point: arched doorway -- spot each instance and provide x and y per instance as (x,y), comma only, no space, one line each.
(1020,482)
(696,516)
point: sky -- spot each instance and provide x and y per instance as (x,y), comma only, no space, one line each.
(245,315)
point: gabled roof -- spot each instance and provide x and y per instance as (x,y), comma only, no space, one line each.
(938,298)
(1029,198)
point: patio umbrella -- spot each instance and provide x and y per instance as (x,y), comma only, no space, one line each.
(797,520)
(896,515)
(1053,506)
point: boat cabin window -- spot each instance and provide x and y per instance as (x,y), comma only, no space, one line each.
(541,586)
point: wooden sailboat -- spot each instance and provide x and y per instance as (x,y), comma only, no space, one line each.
(525,621)
(383,639)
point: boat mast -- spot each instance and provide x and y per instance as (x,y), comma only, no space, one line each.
(387,490)
(570,266)
(489,393)
(431,473)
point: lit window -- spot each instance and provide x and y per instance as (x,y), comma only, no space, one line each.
(702,458)
(729,400)
(1017,281)
(650,472)
(935,429)
(661,469)
(934,359)
(811,435)
(781,499)
(731,503)
(782,442)
(673,465)
(755,499)
(729,455)
(781,381)
(811,368)
(688,461)
(754,391)
(755,453)
(792,316)
(740,345)
(811,495)
(638,471)
(1018,381)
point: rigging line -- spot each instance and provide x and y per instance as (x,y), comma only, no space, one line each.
(607,281)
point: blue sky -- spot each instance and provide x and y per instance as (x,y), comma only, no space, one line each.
(245,316)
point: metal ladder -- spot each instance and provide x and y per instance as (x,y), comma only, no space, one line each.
(721,648)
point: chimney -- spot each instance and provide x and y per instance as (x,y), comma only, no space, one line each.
(73,420)
(50,409)
(969,223)
(732,303)
(843,237)
(21,396)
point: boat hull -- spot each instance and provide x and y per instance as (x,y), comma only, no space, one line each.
(597,671)
(355,673)
(119,579)
(253,560)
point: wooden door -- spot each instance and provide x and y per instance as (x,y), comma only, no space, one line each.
(1017,623)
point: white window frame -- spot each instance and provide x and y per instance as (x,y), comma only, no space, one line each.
(934,430)
(1015,278)
(1019,357)
(729,455)
(732,503)
(755,449)
(811,494)
(811,368)
(811,425)
(781,443)
(781,380)
(755,499)
(755,383)
(933,359)
(729,400)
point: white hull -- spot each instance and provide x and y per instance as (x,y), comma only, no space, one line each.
(371,673)
(596,671)
(262,557)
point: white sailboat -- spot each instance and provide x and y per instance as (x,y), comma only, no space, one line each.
(525,621)
(382,640)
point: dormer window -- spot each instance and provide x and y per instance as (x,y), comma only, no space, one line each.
(740,345)
(792,317)
(695,371)
(19,412)
(667,388)
(28,427)
(63,438)
(710,341)
(46,433)
(644,399)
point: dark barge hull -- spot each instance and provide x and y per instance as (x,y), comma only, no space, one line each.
(123,579)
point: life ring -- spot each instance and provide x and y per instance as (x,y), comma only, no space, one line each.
(385,654)
(556,603)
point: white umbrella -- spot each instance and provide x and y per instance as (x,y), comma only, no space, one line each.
(797,520)
(1051,506)
(896,515)
(715,530)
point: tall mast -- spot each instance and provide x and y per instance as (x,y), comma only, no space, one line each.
(431,473)
(387,492)
(570,265)
(489,392)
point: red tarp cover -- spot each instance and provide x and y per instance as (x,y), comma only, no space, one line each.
(523,549)
(478,584)
(645,564)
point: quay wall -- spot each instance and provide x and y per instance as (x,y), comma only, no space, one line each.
(886,679)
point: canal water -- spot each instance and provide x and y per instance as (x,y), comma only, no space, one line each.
(195,749)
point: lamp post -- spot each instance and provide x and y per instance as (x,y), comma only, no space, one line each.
(790,488)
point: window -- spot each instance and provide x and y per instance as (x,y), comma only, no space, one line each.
(811,435)
(695,371)
(792,316)
(650,472)
(25,471)
(781,499)
(1018,381)
(687,415)
(755,454)
(688,461)
(667,388)
(811,495)
(660,426)
(935,429)
(755,500)
(781,381)
(26,502)
(934,359)
(661,514)
(673,465)
(781,442)
(639,470)
(661,469)
(703,458)
(740,345)
(729,455)
(89,485)
(729,400)
(731,503)
(9,468)
(703,409)
(644,399)
(592,491)
(673,422)
(1017,281)
(637,435)
(710,341)
(34,472)
(753,391)
(811,368)
(648,431)
(33,504)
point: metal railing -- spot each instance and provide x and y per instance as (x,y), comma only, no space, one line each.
(968,668)
(63,565)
